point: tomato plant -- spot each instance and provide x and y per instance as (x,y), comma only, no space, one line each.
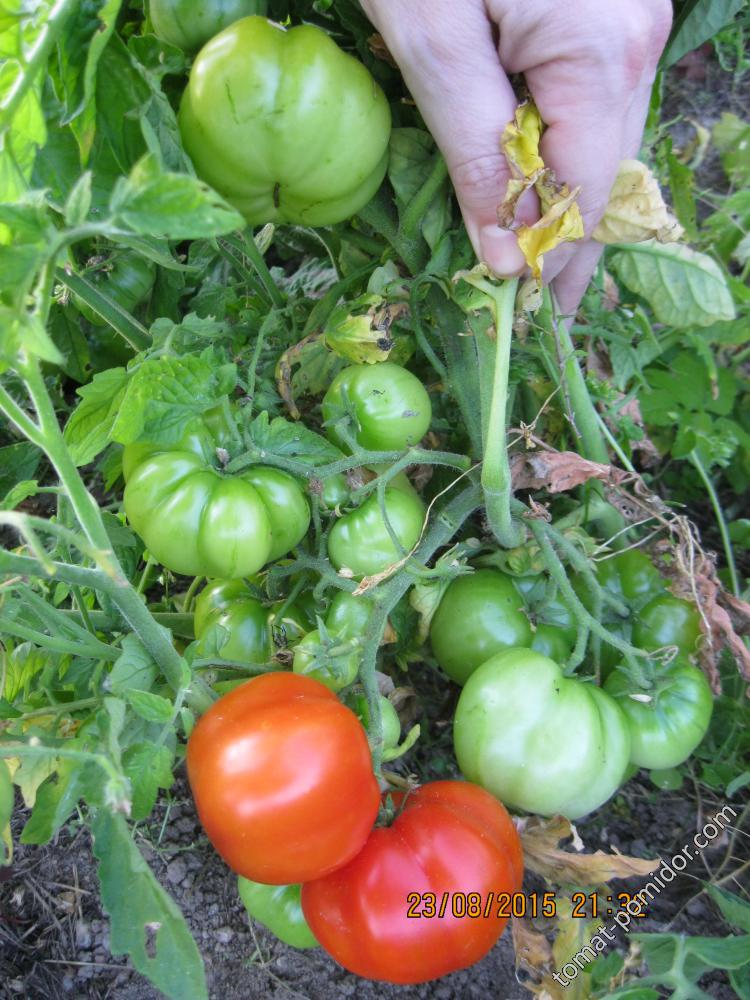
(279,908)
(491,616)
(512,735)
(448,837)
(286,157)
(270,822)
(668,721)
(391,407)
(188,24)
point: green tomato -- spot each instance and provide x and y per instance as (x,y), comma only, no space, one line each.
(348,615)
(538,740)
(336,491)
(188,24)
(665,730)
(391,406)
(638,579)
(335,670)
(284,124)
(288,509)
(229,604)
(552,642)
(360,540)
(200,438)
(667,621)
(478,616)
(197,522)
(126,279)
(388,716)
(278,908)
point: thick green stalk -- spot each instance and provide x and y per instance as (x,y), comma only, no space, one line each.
(496,480)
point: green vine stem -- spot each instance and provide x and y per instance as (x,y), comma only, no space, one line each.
(48,436)
(496,480)
(36,59)
(556,570)
(249,248)
(386,596)
(726,541)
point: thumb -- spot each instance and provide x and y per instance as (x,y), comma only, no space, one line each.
(449,60)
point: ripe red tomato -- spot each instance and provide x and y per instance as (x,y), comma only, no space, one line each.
(450,837)
(282,779)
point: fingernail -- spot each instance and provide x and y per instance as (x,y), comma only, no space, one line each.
(500,251)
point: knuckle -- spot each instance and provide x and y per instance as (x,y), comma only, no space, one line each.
(479,177)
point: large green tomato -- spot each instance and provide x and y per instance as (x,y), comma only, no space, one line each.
(125,279)
(479,615)
(537,740)
(667,621)
(188,24)
(284,124)
(556,629)
(391,406)
(631,575)
(360,541)
(198,522)
(665,730)
(278,908)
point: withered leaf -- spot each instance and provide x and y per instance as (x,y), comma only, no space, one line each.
(636,210)
(558,471)
(543,855)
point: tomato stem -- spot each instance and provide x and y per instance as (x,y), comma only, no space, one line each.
(496,479)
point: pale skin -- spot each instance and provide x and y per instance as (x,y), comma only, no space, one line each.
(589,65)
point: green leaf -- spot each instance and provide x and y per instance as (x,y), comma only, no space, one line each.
(57,798)
(721,953)
(151,707)
(165,394)
(731,136)
(78,205)
(20,492)
(632,993)
(736,911)
(135,670)
(698,21)
(18,462)
(6,798)
(21,332)
(294,440)
(145,923)
(412,152)
(148,768)
(88,430)
(83,41)
(69,339)
(176,206)
(682,286)
(681,184)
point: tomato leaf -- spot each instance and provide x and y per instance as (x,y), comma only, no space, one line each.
(88,430)
(698,21)
(149,706)
(153,203)
(682,286)
(164,394)
(281,437)
(135,670)
(149,768)
(145,923)
(57,798)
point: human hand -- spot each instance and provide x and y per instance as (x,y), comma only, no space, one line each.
(589,66)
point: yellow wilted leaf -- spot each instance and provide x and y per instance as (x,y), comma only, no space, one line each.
(636,210)
(561,220)
(561,223)
(520,141)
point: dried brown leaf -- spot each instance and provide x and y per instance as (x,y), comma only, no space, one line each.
(636,210)
(380,50)
(558,471)
(543,855)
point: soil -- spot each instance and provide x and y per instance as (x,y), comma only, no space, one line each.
(54,937)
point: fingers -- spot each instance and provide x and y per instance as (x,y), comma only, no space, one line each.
(449,59)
